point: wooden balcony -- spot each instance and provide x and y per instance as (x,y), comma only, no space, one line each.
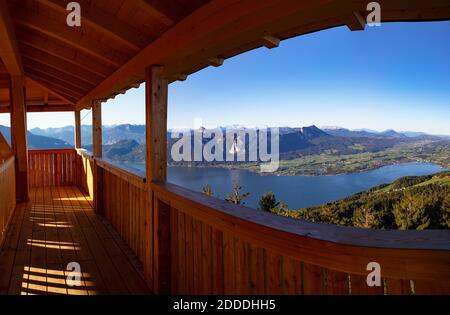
(189,243)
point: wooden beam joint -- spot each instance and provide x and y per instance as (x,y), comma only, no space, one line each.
(270,41)
(356,22)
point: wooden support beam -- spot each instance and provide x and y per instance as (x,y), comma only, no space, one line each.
(97,129)
(270,41)
(9,52)
(36,102)
(97,153)
(179,77)
(77,129)
(42,108)
(103,22)
(19,136)
(356,22)
(156,89)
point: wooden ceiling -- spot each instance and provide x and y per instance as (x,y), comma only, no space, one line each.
(68,67)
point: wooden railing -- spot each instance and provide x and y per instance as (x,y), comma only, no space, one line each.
(219,248)
(53,168)
(190,243)
(7,195)
(85,164)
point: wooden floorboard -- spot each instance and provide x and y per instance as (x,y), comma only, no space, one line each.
(56,229)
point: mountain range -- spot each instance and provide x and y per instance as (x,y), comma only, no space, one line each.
(294,142)
(127,142)
(37,141)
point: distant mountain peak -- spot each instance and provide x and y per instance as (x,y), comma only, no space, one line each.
(312,132)
(392,133)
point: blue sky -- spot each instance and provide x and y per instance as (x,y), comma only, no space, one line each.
(396,76)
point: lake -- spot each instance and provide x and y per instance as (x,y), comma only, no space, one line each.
(296,191)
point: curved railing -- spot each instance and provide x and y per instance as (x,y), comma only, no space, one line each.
(190,243)
(217,247)
(7,195)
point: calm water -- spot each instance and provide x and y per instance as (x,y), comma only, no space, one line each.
(296,191)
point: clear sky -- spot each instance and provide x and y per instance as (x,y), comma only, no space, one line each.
(396,76)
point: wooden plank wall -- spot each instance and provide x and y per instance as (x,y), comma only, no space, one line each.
(53,168)
(207,258)
(7,195)
(126,207)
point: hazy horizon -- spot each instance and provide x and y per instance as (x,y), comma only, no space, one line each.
(250,127)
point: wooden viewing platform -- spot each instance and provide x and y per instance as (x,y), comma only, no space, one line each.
(136,234)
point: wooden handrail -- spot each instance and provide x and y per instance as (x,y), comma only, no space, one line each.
(50,150)
(85,153)
(402,254)
(123,172)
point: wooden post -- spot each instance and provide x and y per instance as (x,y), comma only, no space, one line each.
(77,139)
(97,129)
(158,268)
(97,153)
(19,136)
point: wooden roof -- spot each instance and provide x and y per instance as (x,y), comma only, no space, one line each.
(68,67)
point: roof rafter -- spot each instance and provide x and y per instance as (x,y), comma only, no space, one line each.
(9,52)
(71,90)
(60,64)
(167,12)
(71,36)
(106,23)
(61,75)
(53,89)
(54,47)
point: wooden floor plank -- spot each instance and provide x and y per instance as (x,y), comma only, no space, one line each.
(122,256)
(91,276)
(19,281)
(56,227)
(108,271)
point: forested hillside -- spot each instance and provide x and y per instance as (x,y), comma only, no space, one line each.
(414,202)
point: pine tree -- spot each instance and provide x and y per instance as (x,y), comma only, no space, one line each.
(365,217)
(281,209)
(410,213)
(236,196)
(268,201)
(445,210)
